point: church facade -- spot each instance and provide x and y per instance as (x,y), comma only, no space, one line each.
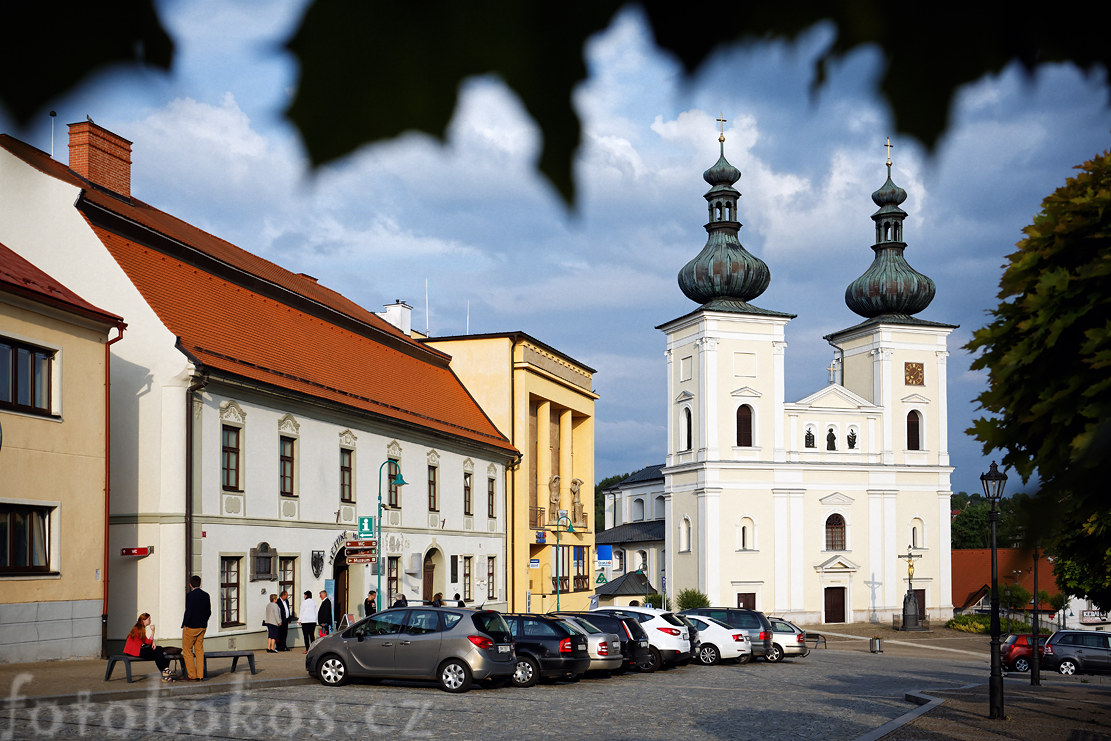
(807,509)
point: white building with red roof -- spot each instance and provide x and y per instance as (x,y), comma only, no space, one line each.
(253,410)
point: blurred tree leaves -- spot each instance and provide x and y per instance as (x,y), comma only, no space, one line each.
(50,48)
(370,71)
(1047,351)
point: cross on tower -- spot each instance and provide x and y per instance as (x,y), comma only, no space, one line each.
(721,120)
(889,146)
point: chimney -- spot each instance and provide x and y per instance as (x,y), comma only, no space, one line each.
(400,315)
(101,157)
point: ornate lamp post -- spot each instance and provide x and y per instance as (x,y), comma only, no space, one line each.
(397,481)
(993,482)
(570,529)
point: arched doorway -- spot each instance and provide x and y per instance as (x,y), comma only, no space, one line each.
(433,574)
(340,575)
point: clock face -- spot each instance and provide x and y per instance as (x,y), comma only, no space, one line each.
(913,373)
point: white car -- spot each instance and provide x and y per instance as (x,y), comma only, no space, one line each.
(719,641)
(668,637)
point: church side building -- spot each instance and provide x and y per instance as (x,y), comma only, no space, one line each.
(805,508)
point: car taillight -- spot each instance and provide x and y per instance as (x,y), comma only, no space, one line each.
(1048,649)
(739,637)
(565,646)
(603,650)
(481,641)
(800,638)
(763,635)
(671,631)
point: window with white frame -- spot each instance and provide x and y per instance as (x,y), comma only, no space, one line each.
(230,590)
(346,475)
(835,532)
(491,577)
(659,508)
(491,498)
(24,539)
(746,534)
(287,473)
(467,578)
(26,377)
(638,509)
(917,533)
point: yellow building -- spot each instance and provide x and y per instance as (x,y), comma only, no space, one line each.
(543,401)
(53,584)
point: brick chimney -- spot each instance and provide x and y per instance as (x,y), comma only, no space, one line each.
(101,157)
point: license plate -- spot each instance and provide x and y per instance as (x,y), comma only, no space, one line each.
(503,649)
(644,644)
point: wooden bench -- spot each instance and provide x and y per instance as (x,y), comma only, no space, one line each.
(235,656)
(817,638)
(127,660)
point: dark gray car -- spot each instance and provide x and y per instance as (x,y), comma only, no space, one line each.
(452,646)
(1076,651)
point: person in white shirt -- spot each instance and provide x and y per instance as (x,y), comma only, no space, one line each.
(308,619)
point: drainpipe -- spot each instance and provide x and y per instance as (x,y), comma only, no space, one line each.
(196,386)
(120,327)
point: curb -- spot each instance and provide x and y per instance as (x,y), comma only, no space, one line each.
(925,703)
(159,692)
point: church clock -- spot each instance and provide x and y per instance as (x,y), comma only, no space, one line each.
(913,373)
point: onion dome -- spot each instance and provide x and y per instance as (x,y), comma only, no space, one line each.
(890,286)
(724,271)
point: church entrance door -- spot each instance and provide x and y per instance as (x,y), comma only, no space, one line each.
(835,604)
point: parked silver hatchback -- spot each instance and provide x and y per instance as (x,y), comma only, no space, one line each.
(452,646)
(604,648)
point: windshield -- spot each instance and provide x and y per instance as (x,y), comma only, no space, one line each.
(586,625)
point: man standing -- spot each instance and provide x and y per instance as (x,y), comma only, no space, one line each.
(370,604)
(324,613)
(283,629)
(198,609)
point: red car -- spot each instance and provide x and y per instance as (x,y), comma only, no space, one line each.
(1016,651)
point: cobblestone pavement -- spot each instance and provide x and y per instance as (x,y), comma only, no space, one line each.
(828,695)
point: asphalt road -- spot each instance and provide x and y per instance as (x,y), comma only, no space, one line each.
(827,695)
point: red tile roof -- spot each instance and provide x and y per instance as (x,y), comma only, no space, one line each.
(18,276)
(972,573)
(243,315)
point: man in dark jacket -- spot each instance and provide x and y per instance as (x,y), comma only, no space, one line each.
(324,613)
(198,609)
(283,630)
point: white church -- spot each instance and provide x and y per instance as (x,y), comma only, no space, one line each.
(807,509)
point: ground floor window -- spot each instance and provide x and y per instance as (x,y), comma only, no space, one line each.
(467,579)
(491,578)
(287,575)
(24,539)
(392,585)
(230,568)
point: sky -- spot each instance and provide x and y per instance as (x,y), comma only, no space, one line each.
(499,251)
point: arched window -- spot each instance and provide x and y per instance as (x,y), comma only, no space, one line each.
(642,560)
(688,430)
(914,430)
(619,560)
(659,511)
(746,535)
(685,534)
(917,533)
(810,437)
(835,533)
(638,510)
(744,426)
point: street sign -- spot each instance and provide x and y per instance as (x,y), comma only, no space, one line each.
(367,543)
(366,527)
(140,551)
(601,579)
(534,563)
(362,559)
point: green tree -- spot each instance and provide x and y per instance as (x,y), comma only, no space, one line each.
(600,501)
(410,61)
(1047,351)
(970,528)
(688,599)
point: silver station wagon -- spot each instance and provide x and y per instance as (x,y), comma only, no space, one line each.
(452,646)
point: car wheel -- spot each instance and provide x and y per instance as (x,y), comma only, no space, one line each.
(454,676)
(1021,665)
(1067,666)
(527,672)
(708,654)
(649,665)
(744,658)
(775,653)
(332,671)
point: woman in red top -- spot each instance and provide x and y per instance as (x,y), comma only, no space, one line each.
(140,643)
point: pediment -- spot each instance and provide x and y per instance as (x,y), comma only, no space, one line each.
(834,396)
(685,396)
(915,399)
(837,564)
(747,392)
(837,499)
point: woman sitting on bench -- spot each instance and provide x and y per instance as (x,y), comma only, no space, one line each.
(140,643)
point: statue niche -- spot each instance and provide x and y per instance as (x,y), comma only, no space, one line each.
(578,513)
(553,498)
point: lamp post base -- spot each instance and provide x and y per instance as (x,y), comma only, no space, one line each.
(995,698)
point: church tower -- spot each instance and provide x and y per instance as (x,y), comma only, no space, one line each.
(725,383)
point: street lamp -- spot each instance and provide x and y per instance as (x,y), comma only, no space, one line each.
(993,482)
(643,571)
(397,481)
(570,529)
